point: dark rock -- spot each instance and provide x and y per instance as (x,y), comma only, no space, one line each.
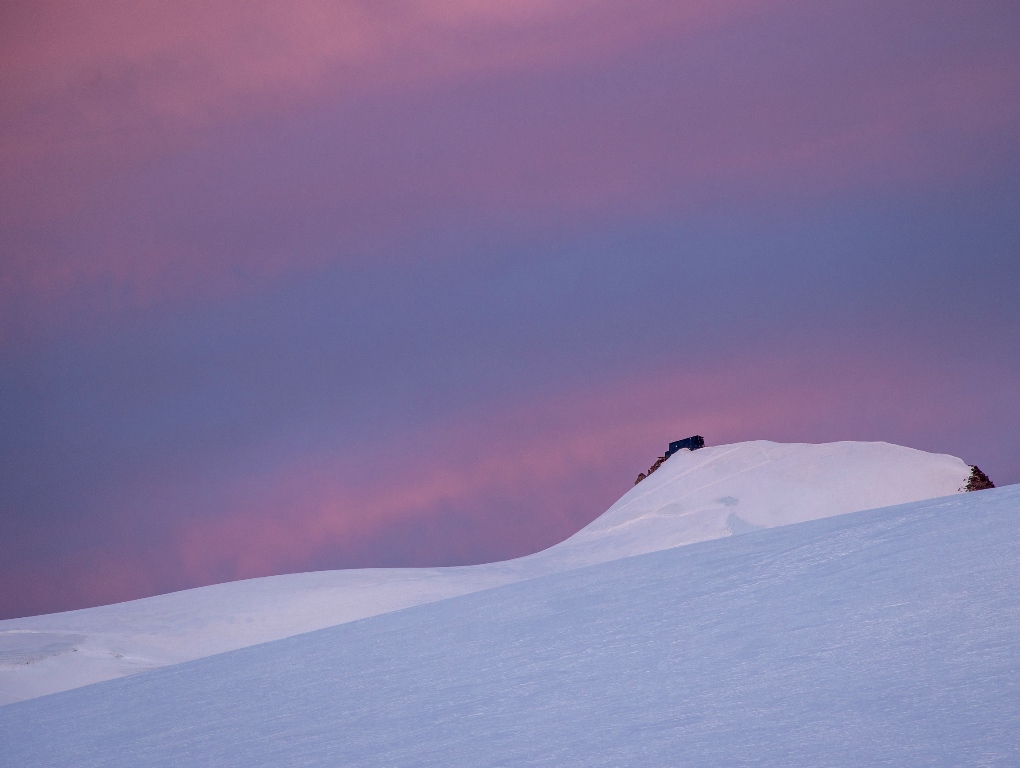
(688,443)
(978,480)
(655,466)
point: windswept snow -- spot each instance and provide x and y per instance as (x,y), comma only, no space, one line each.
(695,496)
(885,637)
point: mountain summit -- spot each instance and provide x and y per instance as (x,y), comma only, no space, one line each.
(882,637)
(695,496)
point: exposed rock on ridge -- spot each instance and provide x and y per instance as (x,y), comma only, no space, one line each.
(978,480)
(655,466)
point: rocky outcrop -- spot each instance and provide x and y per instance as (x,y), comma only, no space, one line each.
(978,481)
(655,466)
(692,443)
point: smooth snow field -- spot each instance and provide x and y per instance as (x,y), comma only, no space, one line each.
(695,496)
(884,637)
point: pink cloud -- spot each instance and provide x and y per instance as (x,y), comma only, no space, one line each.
(533,457)
(95,90)
(102,97)
(118,63)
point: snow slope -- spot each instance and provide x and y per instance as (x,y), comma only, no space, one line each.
(885,637)
(694,496)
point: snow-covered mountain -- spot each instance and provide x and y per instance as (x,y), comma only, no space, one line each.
(695,496)
(882,637)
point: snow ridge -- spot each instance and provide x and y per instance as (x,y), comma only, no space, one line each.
(884,637)
(695,496)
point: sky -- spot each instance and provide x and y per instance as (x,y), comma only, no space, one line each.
(307,285)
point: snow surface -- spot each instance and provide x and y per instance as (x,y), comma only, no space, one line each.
(694,496)
(884,637)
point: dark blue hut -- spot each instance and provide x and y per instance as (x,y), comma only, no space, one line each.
(690,443)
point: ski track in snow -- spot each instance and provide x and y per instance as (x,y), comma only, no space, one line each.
(883,637)
(694,496)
